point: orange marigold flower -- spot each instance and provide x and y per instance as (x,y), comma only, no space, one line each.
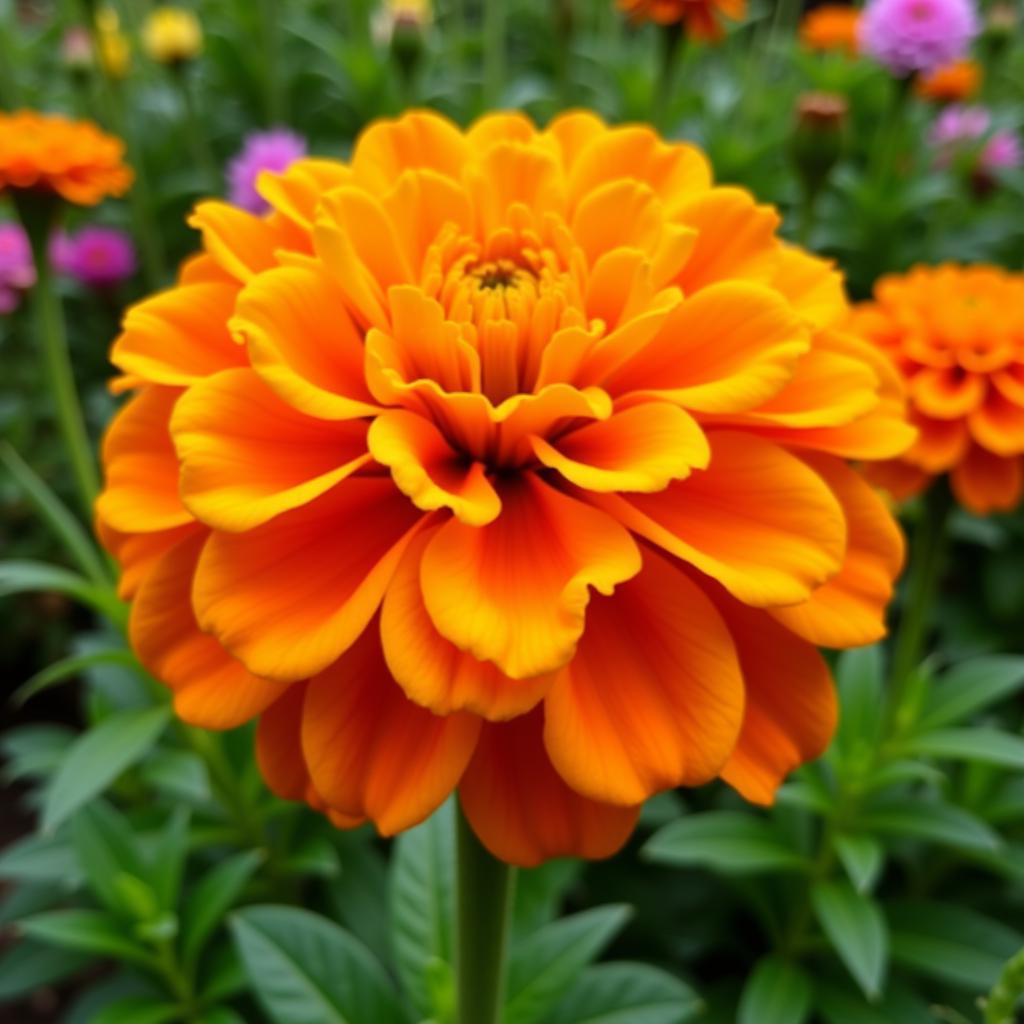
(52,154)
(956,334)
(950,84)
(831,27)
(700,18)
(507,460)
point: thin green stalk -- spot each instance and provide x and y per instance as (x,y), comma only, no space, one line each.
(494,51)
(52,338)
(8,84)
(196,131)
(887,146)
(672,43)
(485,891)
(270,17)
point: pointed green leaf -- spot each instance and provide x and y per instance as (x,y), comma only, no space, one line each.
(69,668)
(985,746)
(138,1010)
(862,857)
(27,966)
(857,930)
(106,848)
(87,931)
(932,821)
(39,858)
(777,992)
(970,687)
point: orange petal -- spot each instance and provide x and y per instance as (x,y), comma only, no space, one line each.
(503,126)
(296,193)
(303,343)
(426,468)
(514,174)
(758,520)
(424,202)
(791,708)
(573,131)
(246,456)
(179,336)
(137,553)
(946,394)
(371,751)
(515,592)
(998,425)
(725,350)
(279,746)
(812,285)
(849,610)
(141,490)
(434,672)
(987,483)
(211,689)
(641,448)
(523,812)
(940,443)
(288,597)
(898,479)
(654,696)
(241,243)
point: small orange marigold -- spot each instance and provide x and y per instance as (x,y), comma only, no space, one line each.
(831,27)
(700,18)
(952,83)
(956,335)
(53,154)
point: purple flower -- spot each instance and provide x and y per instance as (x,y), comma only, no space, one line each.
(97,257)
(1002,152)
(17,271)
(274,150)
(966,129)
(917,35)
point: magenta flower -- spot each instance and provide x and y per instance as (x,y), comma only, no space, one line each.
(17,271)
(917,35)
(1002,152)
(960,130)
(274,150)
(97,257)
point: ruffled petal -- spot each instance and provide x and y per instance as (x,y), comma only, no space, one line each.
(987,483)
(279,746)
(137,553)
(241,243)
(998,425)
(522,810)
(653,698)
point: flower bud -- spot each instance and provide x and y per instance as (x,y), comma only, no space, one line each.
(173,36)
(76,49)
(115,51)
(818,138)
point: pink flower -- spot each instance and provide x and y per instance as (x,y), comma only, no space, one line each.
(960,130)
(97,257)
(917,35)
(274,150)
(1002,152)
(17,271)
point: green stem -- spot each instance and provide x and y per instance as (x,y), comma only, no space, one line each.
(808,215)
(672,40)
(887,146)
(929,550)
(270,15)
(201,152)
(485,890)
(52,337)
(8,82)
(494,51)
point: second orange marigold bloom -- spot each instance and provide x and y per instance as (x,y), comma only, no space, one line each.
(701,19)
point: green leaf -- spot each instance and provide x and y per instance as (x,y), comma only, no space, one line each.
(34,751)
(626,993)
(181,774)
(69,668)
(857,930)
(936,822)
(27,966)
(539,893)
(306,970)
(731,842)
(776,993)
(859,681)
(27,577)
(212,897)
(841,1006)
(970,687)
(86,931)
(987,746)
(862,857)
(138,1010)
(106,848)
(221,1015)
(360,890)
(167,859)
(951,944)
(422,903)
(98,757)
(41,859)
(544,965)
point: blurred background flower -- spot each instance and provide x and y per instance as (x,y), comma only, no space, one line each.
(172,35)
(701,19)
(114,46)
(17,272)
(273,150)
(965,133)
(917,35)
(951,83)
(831,27)
(98,257)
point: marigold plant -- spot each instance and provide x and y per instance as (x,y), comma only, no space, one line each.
(511,461)
(956,333)
(831,27)
(701,19)
(47,153)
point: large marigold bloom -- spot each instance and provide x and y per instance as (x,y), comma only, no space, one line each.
(52,154)
(700,18)
(831,27)
(956,335)
(511,461)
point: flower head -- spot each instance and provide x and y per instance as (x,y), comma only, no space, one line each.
(917,35)
(98,257)
(831,27)
(507,460)
(17,272)
(274,150)
(965,131)
(48,153)
(76,48)
(114,46)
(700,18)
(172,35)
(951,83)
(408,16)
(955,335)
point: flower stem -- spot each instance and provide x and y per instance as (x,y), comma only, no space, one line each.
(270,15)
(672,41)
(929,550)
(52,337)
(485,890)
(201,152)
(494,51)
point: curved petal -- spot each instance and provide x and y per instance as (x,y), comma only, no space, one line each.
(246,456)
(758,520)
(211,689)
(654,696)
(141,488)
(849,609)
(427,469)
(279,746)
(812,285)
(940,444)
(371,751)
(137,553)
(515,591)
(241,243)
(434,672)
(946,393)
(573,131)
(987,483)
(899,480)
(288,597)
(523,812)
(641,448)
(296,193)
(998,425)
(725,350)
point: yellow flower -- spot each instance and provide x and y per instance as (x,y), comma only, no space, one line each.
(172,35)
(115,51)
